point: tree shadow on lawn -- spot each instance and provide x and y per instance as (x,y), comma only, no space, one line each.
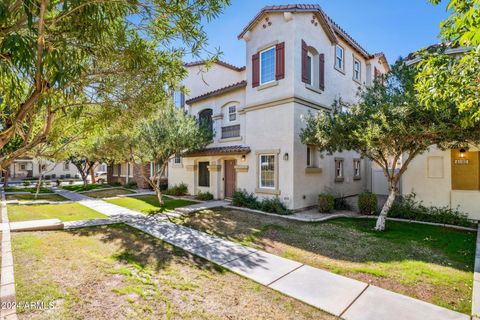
(141,249)
(351,240)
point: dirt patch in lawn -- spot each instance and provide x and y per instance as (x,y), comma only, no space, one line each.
(116,272)
(31,197)
(107,193)
(429,263)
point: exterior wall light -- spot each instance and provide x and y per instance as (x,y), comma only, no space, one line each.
(243,158)
(462,153)
(285,156)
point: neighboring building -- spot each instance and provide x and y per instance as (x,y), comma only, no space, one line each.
(446,178)
(298,63)
(26,167)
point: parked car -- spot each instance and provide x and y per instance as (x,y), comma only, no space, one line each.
(101,176)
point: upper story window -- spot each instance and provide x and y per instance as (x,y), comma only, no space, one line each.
(357,174)
(338,170)
(267,65)
(66,166)
(339,57)
(205,118)
(177,159)
(309,157)
(310,72)
(232,113)
(179,99)
(357,69)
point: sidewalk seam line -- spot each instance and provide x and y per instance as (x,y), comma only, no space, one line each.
(354,300)
(286,274)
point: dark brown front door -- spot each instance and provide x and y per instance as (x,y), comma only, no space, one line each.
(230,178)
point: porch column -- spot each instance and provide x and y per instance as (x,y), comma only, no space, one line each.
(216,183)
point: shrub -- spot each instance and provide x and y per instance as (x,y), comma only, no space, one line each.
(71,181)
(341,204)
(177,190)
(58,182)
(54,176)
(274,206)
(48,182)
(47,177)
(115,184)
(242,198)
(367,203)
(408,208)
(26,183)
(204,196)
(131,185)
(326,203)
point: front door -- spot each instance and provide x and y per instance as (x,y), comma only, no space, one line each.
(230,178)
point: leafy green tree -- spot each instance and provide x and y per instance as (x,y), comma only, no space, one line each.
(90,58)
(171,132)
(454,78)
(388,125)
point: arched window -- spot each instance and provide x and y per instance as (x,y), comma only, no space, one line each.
(205,118)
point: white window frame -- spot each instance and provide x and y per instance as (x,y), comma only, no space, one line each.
(260,185)
(274,64)
(66,166)
(23,167)
(357,165)
(359,78)
(339,171)
(342,60)
(234,113)
(177,159)
(311,56)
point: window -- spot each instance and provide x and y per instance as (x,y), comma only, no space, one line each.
(177,159)
(338,170)
(357,70)
(179,99)
(267,171)
(203,175)
(232,113)
(66,166)
(43,167)
(357,173)
(23,167)
(339,57)
(115,170)
(205,118)
(310,72)
(309,156)
(267,65)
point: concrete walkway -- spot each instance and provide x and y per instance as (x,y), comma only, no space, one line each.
(343,297)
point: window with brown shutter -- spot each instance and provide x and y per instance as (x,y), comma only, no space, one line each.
(304,62)
(280,61)
(255,70)
(321,71)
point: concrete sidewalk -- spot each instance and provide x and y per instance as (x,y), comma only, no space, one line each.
(343,297)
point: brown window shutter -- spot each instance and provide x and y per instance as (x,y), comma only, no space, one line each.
(304,62)
(255,70)
(280,61)
(321,71)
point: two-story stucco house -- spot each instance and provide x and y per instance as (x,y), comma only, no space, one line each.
(298,61)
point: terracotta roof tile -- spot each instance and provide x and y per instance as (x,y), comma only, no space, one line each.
(219,62)
(218,151)
(217,92)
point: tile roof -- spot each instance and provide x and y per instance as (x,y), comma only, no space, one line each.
(308,8)
(219,62)
(217,151)
(217,92)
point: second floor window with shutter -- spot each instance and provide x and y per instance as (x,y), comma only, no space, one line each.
(267,65)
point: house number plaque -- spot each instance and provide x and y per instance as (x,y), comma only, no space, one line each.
(461,161)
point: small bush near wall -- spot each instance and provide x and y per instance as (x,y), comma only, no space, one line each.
(204,196)
(326,203)
(131,185)
(248,200)
(178,190)
(274,206)
(341,203)
(367,203)
(408,208)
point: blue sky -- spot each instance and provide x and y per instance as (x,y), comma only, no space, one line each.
(394,27)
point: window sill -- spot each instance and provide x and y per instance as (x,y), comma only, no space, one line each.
(177,165)
(357,81)
(230,139)
(267,85)
(313,170)
(312,88)
(357,178)
(339,179)
(267,191)
(342,71)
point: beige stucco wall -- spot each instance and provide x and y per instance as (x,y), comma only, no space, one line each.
(56,168)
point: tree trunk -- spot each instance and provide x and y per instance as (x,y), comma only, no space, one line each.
(92,175)
(5,178)
(380,226)
(158,192)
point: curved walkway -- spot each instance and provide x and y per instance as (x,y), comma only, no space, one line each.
(343,297)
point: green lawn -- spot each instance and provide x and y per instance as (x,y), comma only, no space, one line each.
(107,193)
(430,263)
(64,212)
(79,187)
(26,197)
(27,189)
(135,276)
(149,204)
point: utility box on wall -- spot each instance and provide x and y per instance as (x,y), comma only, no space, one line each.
(465,170)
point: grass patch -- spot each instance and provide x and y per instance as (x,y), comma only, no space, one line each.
(149,204)
(28,197)
(64,212)
(107,193)
(80,187)
(27,189)
(430,263)
(135,276)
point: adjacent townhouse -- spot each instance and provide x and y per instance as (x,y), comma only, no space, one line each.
(446,178)
(28,167)
(298,62)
